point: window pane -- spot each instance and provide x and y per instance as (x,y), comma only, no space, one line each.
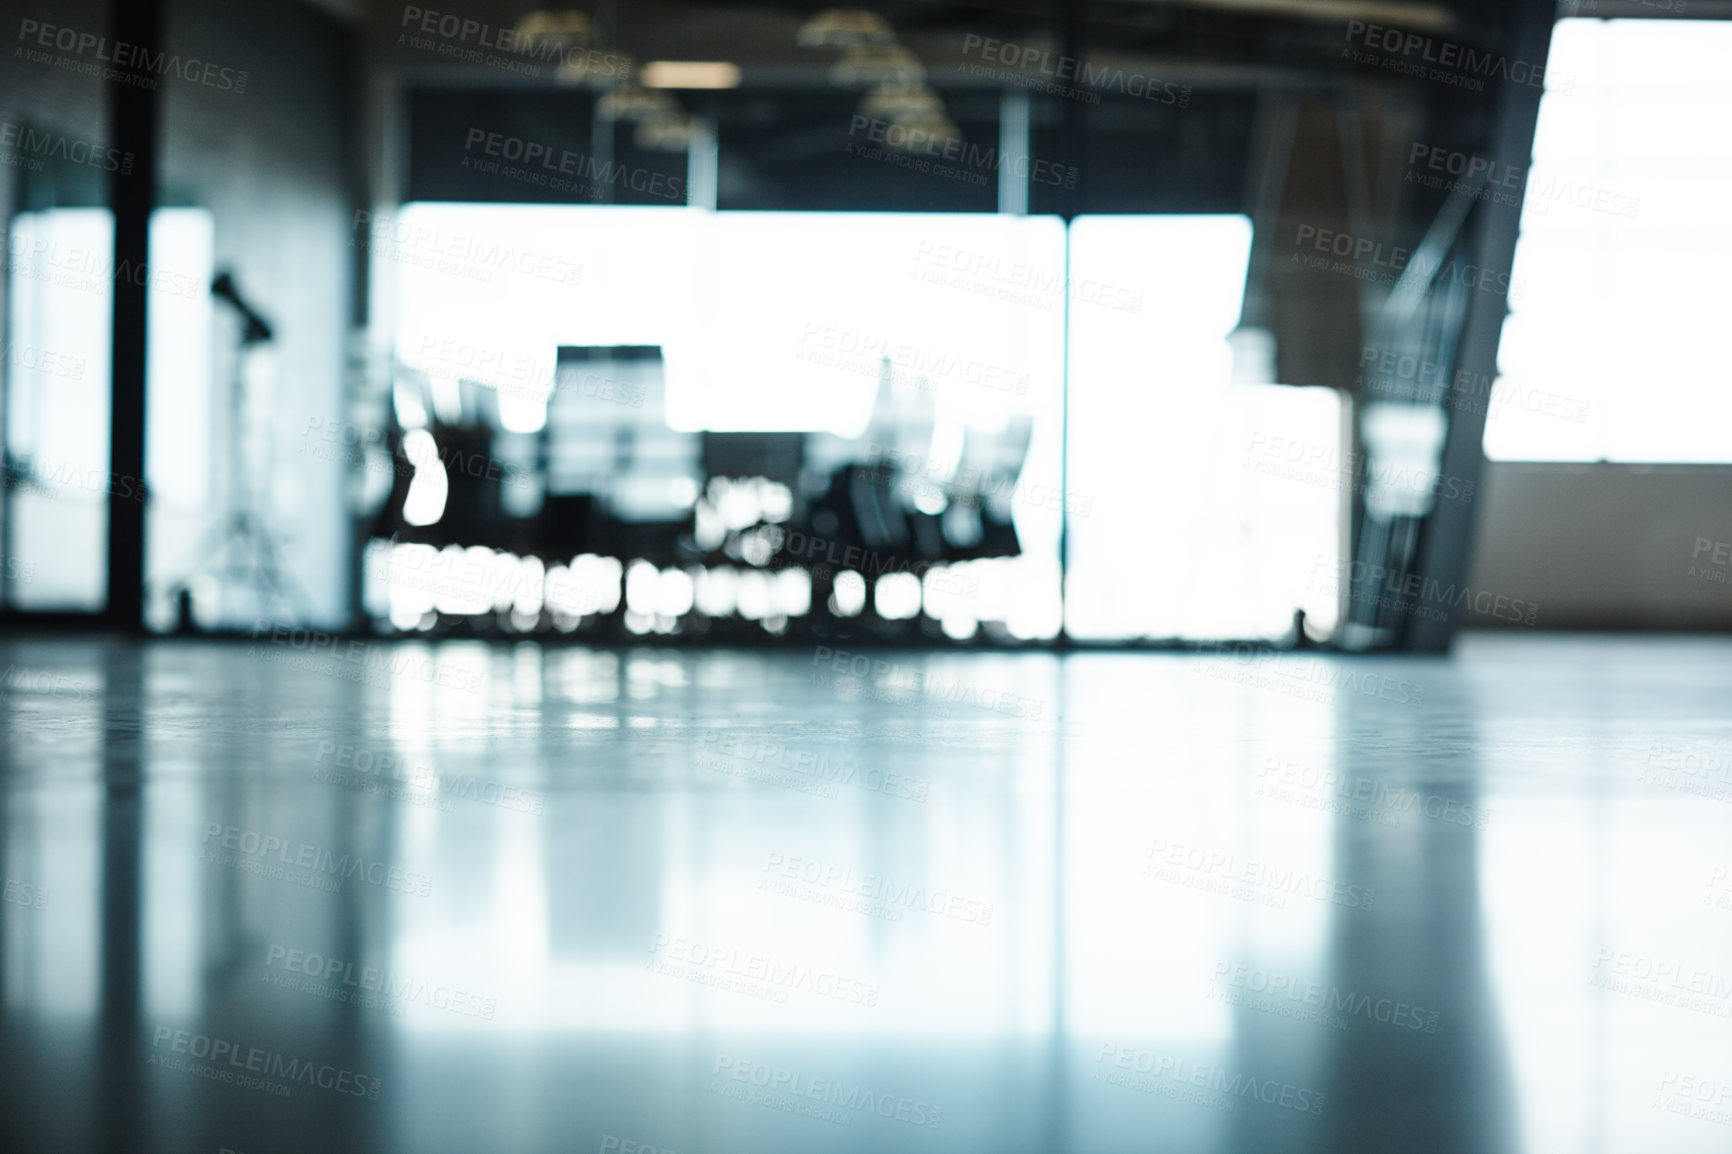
(1199,526)
(1615,349)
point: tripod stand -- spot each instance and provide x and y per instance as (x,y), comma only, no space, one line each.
(243,548)
(242,551)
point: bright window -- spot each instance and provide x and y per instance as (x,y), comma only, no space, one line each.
(1615,348)
(1198,524)
(1186,521)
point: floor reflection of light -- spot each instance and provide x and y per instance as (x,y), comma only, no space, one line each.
(52,969)
(172,909)
(1152,945)
(1620,872)
(488,941)
(583,677)
(927,862)
(664,672)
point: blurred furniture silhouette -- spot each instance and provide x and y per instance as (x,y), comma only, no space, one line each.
(607,438)
(606,474)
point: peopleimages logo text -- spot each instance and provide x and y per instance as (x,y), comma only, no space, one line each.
(57,146)
(257,1060)
(1371,259)
(895,675)
(1029,58)
(459,32)
(373,980)
(1387,587)
(362,658)
(832,1091)
(133,57)
(1183,1071)
(254,844)
(1460,60)
(1167,861)
(474,253)
(686,957)
(533,154)
(879,888)
(977,158)
(1284,775)
(1389,1011)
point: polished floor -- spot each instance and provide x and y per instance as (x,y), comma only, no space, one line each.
(300,896)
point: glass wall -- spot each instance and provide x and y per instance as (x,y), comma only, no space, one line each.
(60,292)
(927,347)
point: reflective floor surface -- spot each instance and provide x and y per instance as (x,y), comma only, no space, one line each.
(296,896)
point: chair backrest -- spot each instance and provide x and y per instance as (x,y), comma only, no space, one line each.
(1009,454)
(994,460)
(607,434)
(1013,447)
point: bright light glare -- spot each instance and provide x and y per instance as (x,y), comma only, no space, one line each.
(519,414)
(590,585)
(897,596)
(770,321)
(1185,538)
(715,594)
(642,588)
(425,502)
(690,74)
(674,593)
(1615,347)
(794,592)
(756,601)
(529,593)
(755,311)
(848,597)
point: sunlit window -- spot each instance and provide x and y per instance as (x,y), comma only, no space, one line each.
(1615,347)
(775,321)
(1194,518)
(1186,519)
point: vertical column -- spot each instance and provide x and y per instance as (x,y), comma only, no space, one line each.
(132,116)
(1070,17)
(703,167)
(1446,537)
(1013,152)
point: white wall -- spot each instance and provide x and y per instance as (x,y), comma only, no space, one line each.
(1608,545)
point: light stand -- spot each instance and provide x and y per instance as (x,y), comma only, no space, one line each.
(243,550)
